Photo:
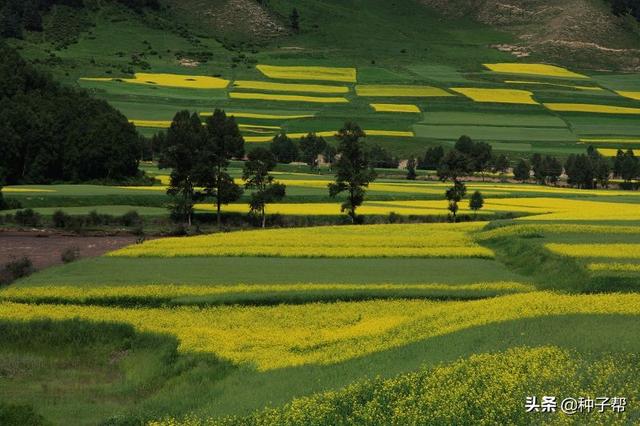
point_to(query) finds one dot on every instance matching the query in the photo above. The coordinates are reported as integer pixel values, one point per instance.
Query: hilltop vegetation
(53, 133)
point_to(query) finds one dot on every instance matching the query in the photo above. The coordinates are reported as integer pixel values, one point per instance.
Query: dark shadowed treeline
(51, 133)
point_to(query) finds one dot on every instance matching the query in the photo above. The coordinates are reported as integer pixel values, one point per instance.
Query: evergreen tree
(354, 172)
(481, 155)
(256, 176)
(603, 171)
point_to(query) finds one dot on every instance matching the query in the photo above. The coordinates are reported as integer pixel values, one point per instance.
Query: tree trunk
(264, 218)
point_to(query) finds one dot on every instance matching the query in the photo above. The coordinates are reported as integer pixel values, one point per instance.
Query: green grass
(229, 271)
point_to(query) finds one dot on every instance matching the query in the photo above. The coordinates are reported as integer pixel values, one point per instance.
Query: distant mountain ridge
(585, 32)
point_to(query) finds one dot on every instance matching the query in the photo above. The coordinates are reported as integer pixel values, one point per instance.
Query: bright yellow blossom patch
(350, 241)
(288, 98)
(19, 190)
(631, 95)
(289, 335)
(172, 80)
(534, 69)
(608, 152)
(289, 87)
(614, 267)
(592, 108)
(396, 91)
(396, 108)
(347, 75)
(504, 96)
(612, 251)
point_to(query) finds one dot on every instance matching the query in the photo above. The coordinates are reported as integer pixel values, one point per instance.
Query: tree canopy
(53, 133)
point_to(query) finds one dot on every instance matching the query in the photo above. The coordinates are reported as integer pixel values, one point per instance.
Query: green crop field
(405, 319)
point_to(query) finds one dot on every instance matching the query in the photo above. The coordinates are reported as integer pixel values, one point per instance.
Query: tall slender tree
(222, 142)
(182, 153)
(256, 176)
(354, 173)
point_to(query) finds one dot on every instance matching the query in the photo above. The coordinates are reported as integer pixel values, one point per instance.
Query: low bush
(28, 217)
(16, 269)
(71, 254)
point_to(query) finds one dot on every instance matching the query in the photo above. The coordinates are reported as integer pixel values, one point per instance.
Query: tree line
(51, 133)
(199, 154)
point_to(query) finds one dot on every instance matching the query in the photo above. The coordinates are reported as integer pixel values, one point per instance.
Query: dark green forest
(52, 133)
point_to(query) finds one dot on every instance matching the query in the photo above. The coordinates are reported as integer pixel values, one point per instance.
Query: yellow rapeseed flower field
(331, 133)
(534, 69)
(289, 335)
(631, 95)
(398, 90)
(614, 267)
(289, 98)
(542, 83)
(176, 291)
(592, 108)
(396, 108)
(436, 240)
(611, 251)
(172, 80)
(346, 75)
(288, 87)
(504, 96)
(19, 190)
(608, 152)
(156, 124)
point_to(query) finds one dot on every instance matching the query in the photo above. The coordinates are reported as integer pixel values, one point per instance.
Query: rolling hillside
(414, 65)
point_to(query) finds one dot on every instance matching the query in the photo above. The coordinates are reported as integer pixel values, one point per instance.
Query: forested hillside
(52, 133)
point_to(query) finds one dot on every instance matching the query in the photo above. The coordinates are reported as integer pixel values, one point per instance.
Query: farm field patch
(534, 69)
(505, 96)
(346, 75)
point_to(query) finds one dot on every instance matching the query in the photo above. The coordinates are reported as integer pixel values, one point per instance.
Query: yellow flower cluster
(614, 267)
(290, 335)
(289, 87)
(346, 75)
(405, 108)
(612, 251)
(172, 80)
(550, 229)
(608, 152)
(440, 240)
(19, 190)
(172, 292)
(630, 95)
(288, 98)
(592, 108)
(482, 389)
(504, 96)
(397, 91)
(534, 69)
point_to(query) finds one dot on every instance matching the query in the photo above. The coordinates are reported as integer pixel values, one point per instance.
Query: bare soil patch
(45, 248)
